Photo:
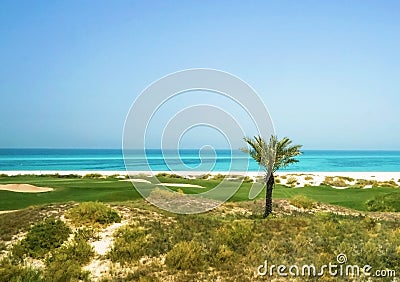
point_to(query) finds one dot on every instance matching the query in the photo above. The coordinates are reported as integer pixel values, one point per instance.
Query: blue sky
(328, 71)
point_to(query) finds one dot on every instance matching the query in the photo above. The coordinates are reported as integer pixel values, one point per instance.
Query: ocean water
(186, 160)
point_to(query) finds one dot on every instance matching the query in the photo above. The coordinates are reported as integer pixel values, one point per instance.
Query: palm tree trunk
(268, 194)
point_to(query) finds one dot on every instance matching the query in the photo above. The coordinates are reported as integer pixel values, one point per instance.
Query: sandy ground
(316, 178)
(24, 188)
(100, 265)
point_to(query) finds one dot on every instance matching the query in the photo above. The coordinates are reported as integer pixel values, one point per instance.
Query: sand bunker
(24, 188)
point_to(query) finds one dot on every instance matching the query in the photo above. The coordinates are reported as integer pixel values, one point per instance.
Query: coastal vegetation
(226, 244)
(92, 214)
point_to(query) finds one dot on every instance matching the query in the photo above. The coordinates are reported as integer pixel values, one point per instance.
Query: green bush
(86, 234)
(335, 181)
(129, 244)
(168, 175)
(364, 182)
(93, 175)
(234, 235)
(186, 255)
(65, 263)
(301, 201)
(10, 272)
(346, 178)
(42, 238)
(150, 239)
(92, 213)
(218, 176)
(247, 179)
(390, 183)
(77, 250)
(291, 180)
(204, 176)
(66, 270)
(385, 203)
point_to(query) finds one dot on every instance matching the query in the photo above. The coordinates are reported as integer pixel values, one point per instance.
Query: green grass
(112, 190)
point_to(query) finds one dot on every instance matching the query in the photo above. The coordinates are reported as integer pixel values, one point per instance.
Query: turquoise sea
(184, 160)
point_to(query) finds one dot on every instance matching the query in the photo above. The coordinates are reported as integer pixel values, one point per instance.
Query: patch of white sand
(102, 246)
(97, 267)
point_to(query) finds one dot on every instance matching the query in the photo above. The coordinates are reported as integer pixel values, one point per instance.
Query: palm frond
(274, 154)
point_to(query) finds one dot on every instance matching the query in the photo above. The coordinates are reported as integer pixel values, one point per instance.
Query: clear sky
(328, 71)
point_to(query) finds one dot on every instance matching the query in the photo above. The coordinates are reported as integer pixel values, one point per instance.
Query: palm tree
(272, 156)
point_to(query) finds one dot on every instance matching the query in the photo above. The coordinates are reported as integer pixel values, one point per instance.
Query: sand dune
(24, 188)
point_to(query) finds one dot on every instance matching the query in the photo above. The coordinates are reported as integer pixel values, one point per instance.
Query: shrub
(384, 203)
(335, 181)
(92, 213)
(65, 264)
(308, 178)
(78, 250)
(301, 201)
(291, 180)
(129, 244)
(93, 175)
(87, 234)
(218, 176)
(151, 238)
(223, 255)
(247, 179)
(390, 183)
(204, 176)
(234, 235)
(65, 270)
(57, 175)
(42, 238)
(12, 272)
(346, 178)
(277, 181)
(283, 176)
(186, 256)
(168, 175)
(364, 182)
